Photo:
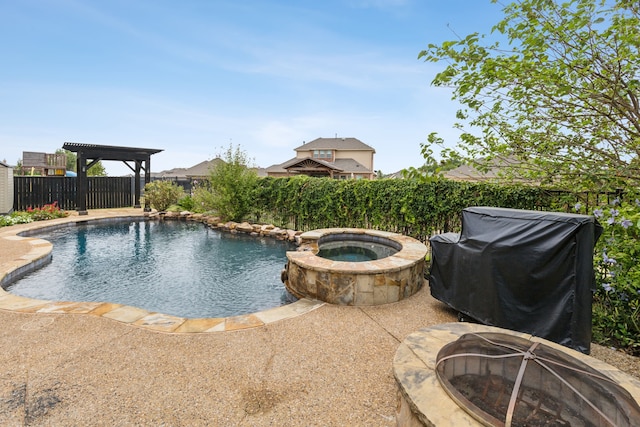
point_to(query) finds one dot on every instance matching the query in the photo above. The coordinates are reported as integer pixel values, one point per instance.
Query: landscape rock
(244, 227)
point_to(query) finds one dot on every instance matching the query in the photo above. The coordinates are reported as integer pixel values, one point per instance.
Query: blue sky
(193, 76)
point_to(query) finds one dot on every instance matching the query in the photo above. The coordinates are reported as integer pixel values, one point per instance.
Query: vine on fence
(418, 209)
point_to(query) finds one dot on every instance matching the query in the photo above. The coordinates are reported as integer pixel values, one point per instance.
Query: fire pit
(505, 380)
(466, 374)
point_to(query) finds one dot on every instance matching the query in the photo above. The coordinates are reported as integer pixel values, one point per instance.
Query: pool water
(172, 267)
(354, 250)
(348, 253)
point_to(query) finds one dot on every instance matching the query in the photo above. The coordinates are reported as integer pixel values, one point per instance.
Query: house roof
(350, 165)
(470, 173)
(275, 169)
(395, 175)
(175, 172)
(335, 144)
(201, 169)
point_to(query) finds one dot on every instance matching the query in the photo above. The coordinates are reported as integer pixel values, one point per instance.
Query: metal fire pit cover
(504, 380)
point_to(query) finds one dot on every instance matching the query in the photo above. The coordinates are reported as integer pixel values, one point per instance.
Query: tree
(562, 98)
(231, 186)
(432, 168)
(71, 158)
(96, 170)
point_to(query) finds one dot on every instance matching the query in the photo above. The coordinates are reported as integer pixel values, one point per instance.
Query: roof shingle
(335, 144)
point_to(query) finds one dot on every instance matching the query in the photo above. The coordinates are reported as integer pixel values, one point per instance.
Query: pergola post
(136, 186)
(147, 179)
(81, 184)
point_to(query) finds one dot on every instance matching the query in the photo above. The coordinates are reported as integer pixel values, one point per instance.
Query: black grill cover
(527, 271)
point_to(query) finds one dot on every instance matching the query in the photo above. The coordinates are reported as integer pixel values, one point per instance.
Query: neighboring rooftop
(335, 144)
(481, 169)
(200, 170)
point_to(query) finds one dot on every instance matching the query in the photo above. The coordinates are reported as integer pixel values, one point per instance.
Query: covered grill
(527, 271)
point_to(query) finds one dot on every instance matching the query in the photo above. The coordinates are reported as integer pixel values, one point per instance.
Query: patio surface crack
(399, 340)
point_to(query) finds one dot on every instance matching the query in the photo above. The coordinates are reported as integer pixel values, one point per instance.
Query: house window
(322, 154)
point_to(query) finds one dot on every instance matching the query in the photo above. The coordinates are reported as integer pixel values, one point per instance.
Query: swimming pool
(180, 268)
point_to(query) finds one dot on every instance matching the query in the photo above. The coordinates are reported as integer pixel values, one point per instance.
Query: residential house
(339, 158)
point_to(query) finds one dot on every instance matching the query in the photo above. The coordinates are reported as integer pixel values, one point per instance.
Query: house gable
(310, 166)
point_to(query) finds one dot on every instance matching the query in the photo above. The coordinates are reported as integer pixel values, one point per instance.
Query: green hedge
(418, 209)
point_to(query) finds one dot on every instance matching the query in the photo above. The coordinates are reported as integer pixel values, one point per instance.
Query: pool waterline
(354, 250)
(35, 252)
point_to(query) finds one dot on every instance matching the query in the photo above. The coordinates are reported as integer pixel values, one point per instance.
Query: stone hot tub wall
(381, 281)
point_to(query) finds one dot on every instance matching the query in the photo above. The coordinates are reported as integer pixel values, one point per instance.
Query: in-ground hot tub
(349, 266)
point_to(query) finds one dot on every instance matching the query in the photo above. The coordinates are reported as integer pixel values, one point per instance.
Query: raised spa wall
(365, 283)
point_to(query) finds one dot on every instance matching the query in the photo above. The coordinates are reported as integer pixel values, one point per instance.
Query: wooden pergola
(92, 153)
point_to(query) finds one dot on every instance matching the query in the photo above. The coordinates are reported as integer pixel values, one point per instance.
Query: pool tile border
(40, 253)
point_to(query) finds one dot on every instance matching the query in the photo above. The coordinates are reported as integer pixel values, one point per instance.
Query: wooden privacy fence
(103, 192)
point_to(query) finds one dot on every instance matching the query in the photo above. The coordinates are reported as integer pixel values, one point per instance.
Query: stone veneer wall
(367, 283)
(354, 288)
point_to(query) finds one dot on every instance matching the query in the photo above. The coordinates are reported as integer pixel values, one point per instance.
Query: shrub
(162, 194)
(15, 218)
(186, 203)
(203, 200)
(231, 188)
(616, 309)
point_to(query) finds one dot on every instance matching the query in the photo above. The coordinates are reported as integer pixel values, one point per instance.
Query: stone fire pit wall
(366, 283)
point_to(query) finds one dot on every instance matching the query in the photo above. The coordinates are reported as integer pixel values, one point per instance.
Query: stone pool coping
(34, 252)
